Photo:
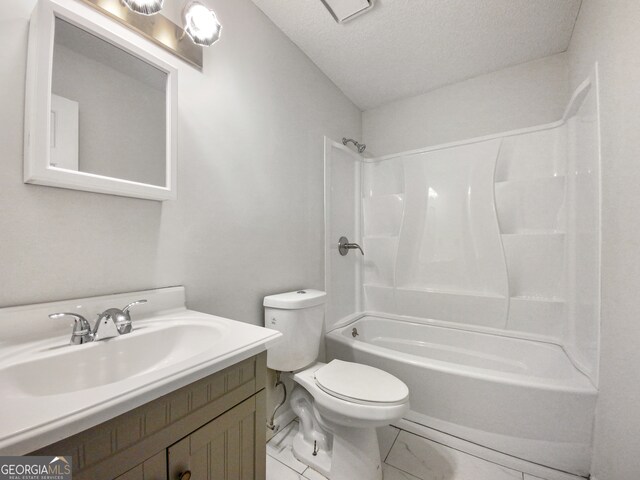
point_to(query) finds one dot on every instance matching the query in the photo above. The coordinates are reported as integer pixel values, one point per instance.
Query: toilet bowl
(339, 404)
(338, 418)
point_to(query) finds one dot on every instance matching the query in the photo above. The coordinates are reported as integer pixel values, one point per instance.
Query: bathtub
(523, 398)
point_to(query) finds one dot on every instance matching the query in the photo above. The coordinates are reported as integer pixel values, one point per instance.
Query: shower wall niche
(499, 233)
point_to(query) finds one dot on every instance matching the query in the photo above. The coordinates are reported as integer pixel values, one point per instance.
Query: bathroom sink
(52, 389)
(57, 369)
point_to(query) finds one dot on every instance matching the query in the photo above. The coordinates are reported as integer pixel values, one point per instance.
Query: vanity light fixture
(201, 24)
(145, 7)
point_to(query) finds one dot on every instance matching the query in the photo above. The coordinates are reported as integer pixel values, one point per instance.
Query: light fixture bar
(144, 7)
(158, 29)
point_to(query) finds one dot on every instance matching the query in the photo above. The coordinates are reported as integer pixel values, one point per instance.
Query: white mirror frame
(37, 141)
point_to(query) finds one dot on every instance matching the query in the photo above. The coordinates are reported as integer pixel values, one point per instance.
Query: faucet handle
(124, 321)
(133, 304)
(344, 246)
(81, 328)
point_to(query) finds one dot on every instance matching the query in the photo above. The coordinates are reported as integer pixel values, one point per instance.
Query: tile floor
(406, 457)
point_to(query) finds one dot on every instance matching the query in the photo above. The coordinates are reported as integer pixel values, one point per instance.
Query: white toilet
(339, 404)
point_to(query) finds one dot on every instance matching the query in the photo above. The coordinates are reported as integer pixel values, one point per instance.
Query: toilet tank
(299, 316)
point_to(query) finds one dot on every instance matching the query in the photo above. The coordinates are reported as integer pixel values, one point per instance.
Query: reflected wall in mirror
(101, 106)
(119, 104)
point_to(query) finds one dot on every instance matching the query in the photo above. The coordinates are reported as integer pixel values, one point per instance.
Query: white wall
(522, 96)
(607, 32)
(251, 136)
(249, 216)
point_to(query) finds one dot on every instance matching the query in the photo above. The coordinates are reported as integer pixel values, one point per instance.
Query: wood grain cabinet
(155, 468)
(213, 429)
(223, 449)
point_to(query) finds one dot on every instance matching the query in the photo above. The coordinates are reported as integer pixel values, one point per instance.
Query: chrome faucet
(105, 326)
(344, 246)
(81, 328)
(114, 317)
(110, 323)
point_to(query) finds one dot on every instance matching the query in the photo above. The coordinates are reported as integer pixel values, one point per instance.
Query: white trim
(358, 228)
(38, 101)
(596, 79)
(572, 109)
(328, 145)
(578, 97)
(327, 209)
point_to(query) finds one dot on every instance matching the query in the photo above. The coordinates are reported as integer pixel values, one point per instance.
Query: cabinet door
(231, 447)
(155, 468)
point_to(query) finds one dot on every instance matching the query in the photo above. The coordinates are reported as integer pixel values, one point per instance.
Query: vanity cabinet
(155, 468)
(213, 428)
(223, 449)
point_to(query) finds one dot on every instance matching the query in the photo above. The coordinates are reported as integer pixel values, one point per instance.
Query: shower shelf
(445, 291)
(530, 206)
(382, 196)
(534, 233)
(525, 298)
(528, 181)
(534, 264)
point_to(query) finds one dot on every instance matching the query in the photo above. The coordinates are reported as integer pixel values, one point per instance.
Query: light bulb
(201, 24)
(145, 7)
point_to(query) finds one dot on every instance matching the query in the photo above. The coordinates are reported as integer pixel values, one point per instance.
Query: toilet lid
(354, 381)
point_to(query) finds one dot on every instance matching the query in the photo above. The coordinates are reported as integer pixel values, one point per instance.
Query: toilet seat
(362, 384)
(348, 411)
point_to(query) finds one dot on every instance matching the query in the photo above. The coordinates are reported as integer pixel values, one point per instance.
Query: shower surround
(498, 235)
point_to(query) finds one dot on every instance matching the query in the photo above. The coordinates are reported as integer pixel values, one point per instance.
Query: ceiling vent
(345, 10)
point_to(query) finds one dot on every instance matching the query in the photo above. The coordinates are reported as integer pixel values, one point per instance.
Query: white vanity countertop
(52, 390)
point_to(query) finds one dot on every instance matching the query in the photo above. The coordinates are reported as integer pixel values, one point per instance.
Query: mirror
(101, 106)
(107, 109)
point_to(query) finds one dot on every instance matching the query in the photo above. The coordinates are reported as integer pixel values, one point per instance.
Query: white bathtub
(519, 397)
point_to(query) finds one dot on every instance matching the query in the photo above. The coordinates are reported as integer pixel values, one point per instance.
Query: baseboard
(486, 453)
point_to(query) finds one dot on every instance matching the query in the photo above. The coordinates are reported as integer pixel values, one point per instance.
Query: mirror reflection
(108, 109)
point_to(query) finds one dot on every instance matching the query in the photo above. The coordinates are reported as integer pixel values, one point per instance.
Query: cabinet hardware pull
(185, 475)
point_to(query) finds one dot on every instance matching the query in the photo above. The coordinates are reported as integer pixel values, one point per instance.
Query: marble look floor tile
(279, 471)
(392, 473)
(279, 447)
(431, 461)
(386, 436)
(311, 474)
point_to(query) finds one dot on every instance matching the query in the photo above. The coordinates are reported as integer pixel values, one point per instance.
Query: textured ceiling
(402, 48)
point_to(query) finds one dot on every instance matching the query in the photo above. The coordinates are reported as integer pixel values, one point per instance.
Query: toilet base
(341, 452)
(355, 454)
(303, 450)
